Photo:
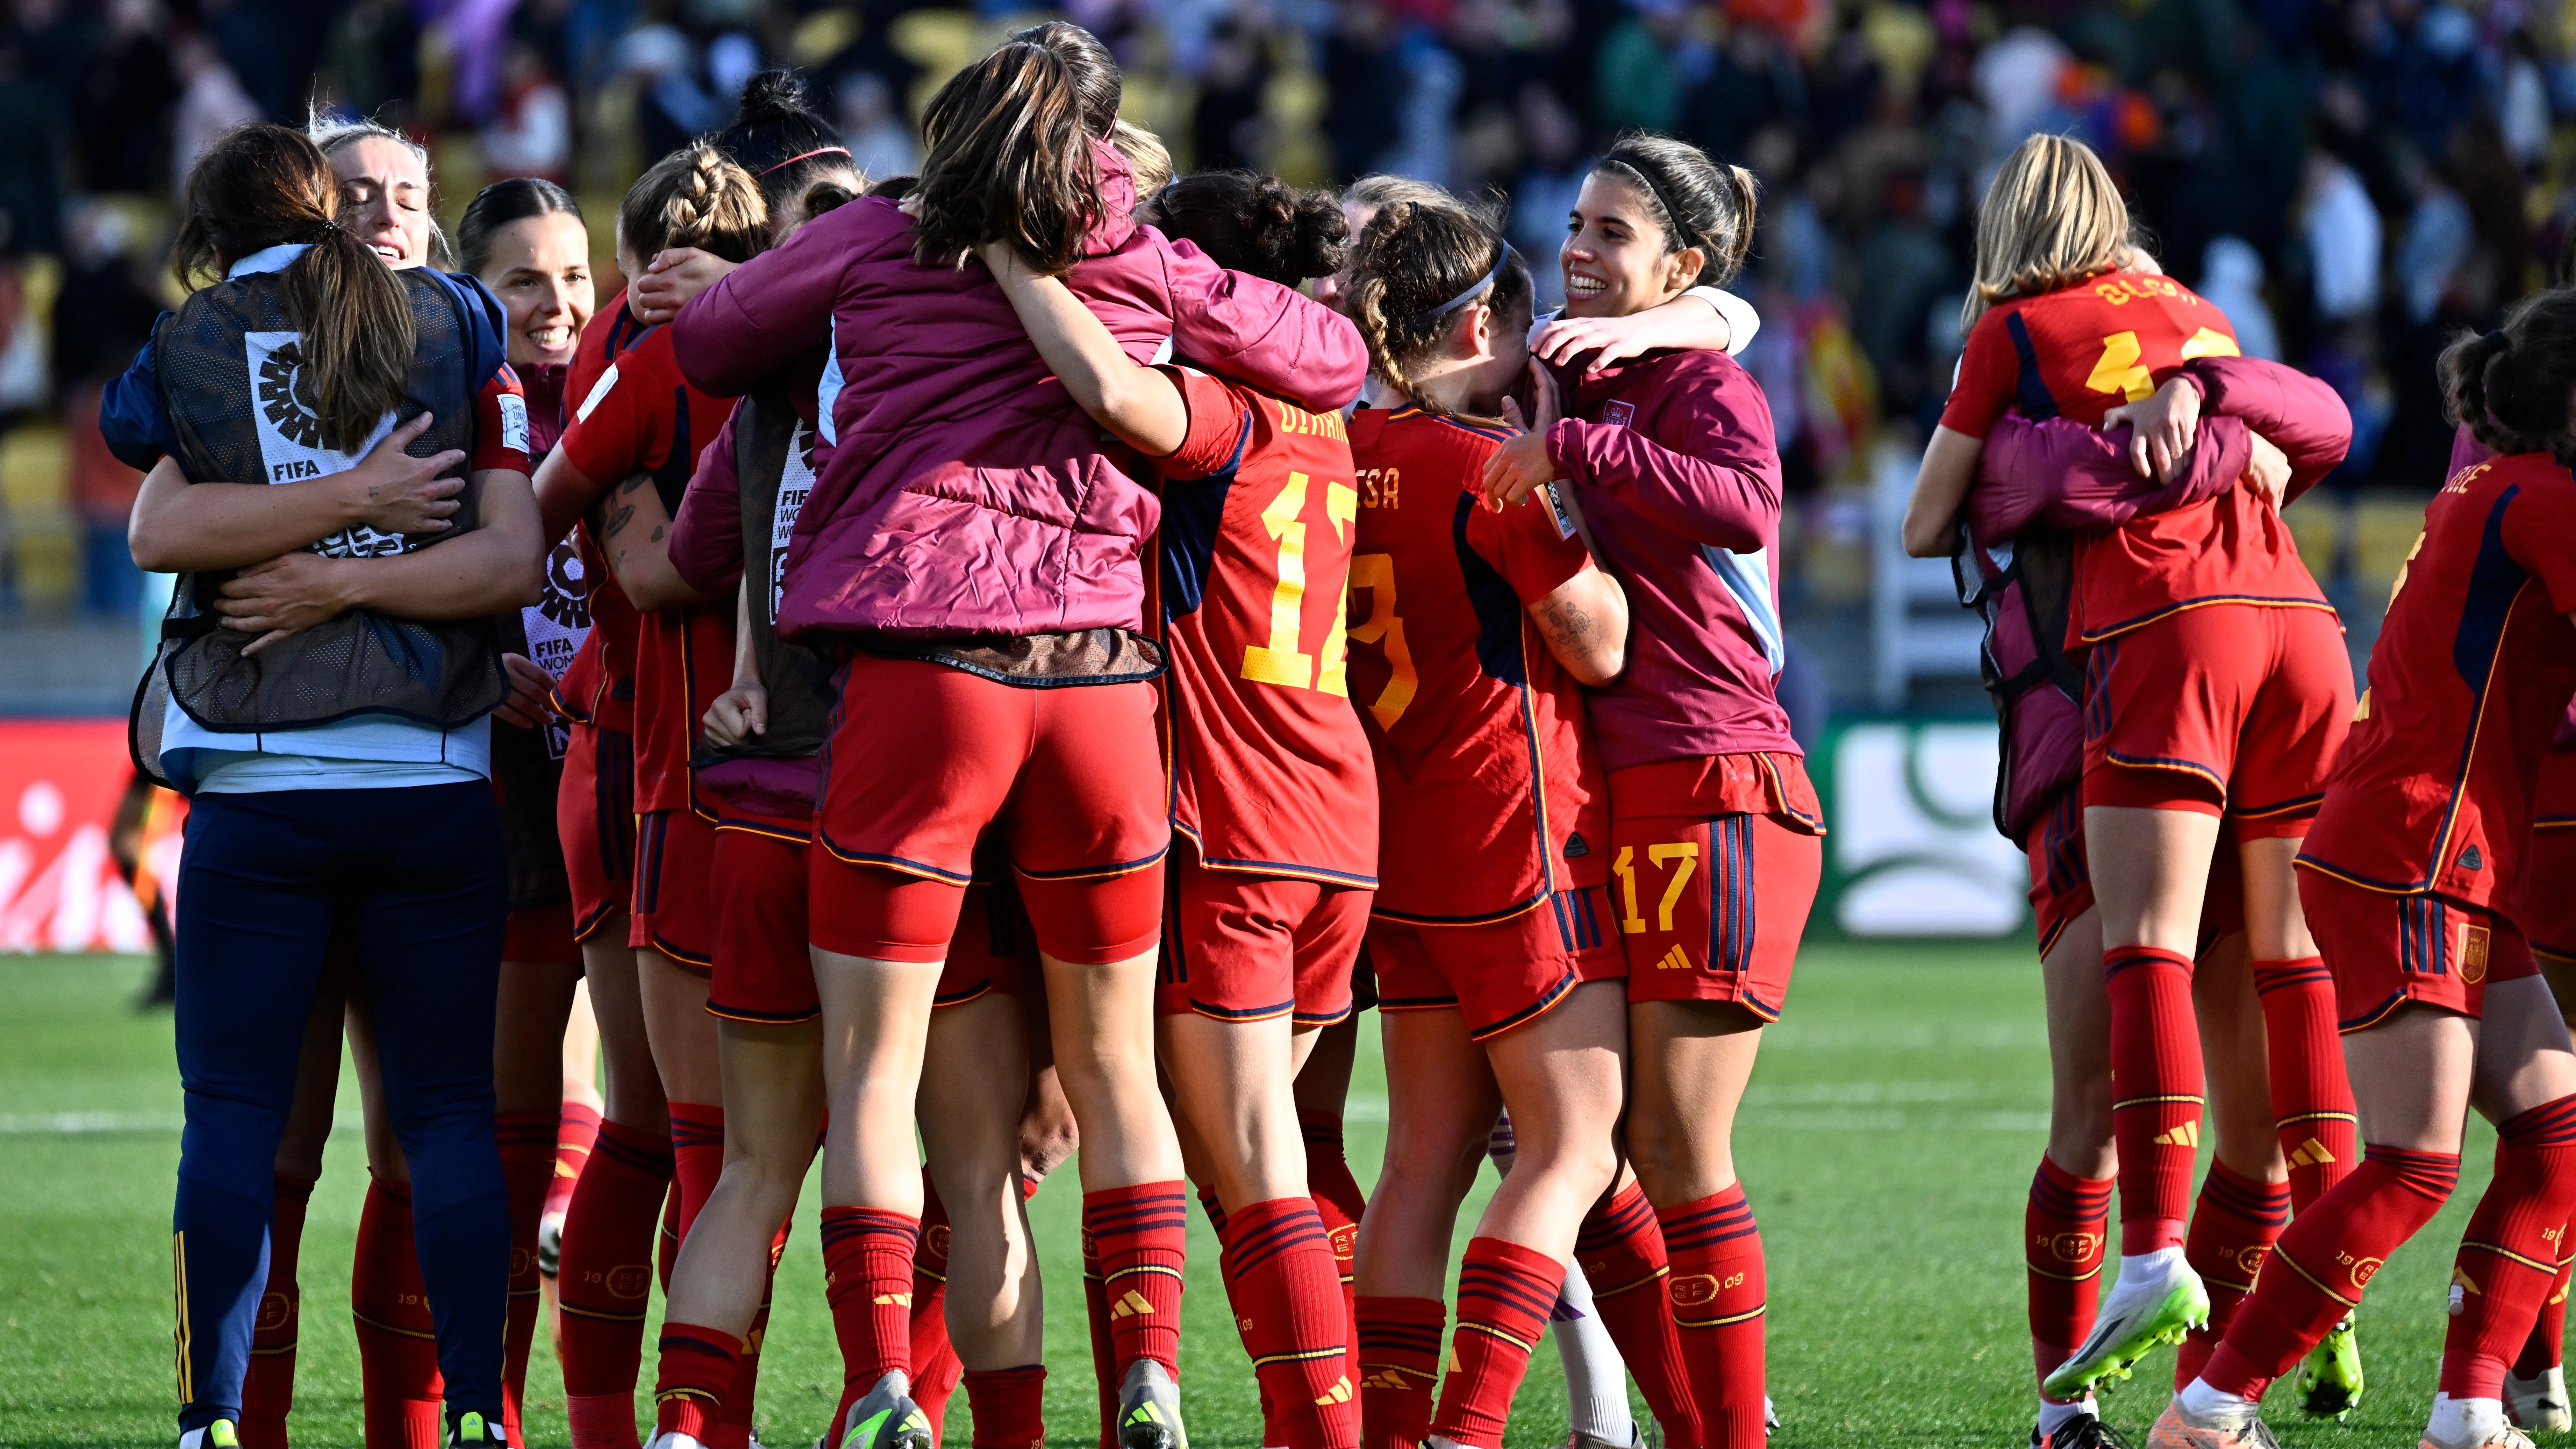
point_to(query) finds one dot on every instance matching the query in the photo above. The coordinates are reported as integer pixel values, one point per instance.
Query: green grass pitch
(1887, 1144)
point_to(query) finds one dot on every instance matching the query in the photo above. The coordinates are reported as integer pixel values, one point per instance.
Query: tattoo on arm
(1567, 624)
(657, 534)
(634, 482)
(617, 521)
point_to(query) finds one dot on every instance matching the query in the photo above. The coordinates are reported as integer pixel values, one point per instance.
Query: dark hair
(1416, 267)
(1255, 224)
(498, 205)
(261, 186)
(1697, 202)
(782, 141)
(2512, 386)
(1009, 159)
(1094, 72)
(695, 197)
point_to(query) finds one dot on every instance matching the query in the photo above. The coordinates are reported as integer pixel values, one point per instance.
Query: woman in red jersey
(635, 434)
(974, 553)
(1268, 897)
(1715, 840)
(2206, 606)
(1497, 973)
(2412, 878)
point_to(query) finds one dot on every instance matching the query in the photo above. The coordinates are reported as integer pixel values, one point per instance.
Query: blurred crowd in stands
(2349, 179)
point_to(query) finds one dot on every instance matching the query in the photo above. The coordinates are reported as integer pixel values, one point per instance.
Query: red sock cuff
(2117, 959)
(646, 1150)
(2428, 1174)
(697, 1124)
(2062, 1194)
(1321, 1129)
(1505, 1287)
(698, 1365)
(2249, 1198)
(1115, 1214)
(1215, 1210)
(1263, 1230)
(1702, 1230)
(2551, 1124)
(526, 1136)
(1008, 1406)
(2271, 976)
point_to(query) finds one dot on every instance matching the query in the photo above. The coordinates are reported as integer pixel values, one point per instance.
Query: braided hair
(1417, 267)
(2512, 386)
(1696, 201)
(695, 197)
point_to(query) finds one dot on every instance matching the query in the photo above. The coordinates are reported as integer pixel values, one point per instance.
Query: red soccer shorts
(993, 950)
(1253, 947)
(757, 896)
(541, 936)
(2388, 950)
(1498, 974)
(923, 758)
(675, 856)
(2549, 897)
(595, 816)
(1714, 865)
(2227, 709)
(2061, 878)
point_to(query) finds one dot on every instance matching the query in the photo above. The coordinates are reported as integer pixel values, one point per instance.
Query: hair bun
(773, 95)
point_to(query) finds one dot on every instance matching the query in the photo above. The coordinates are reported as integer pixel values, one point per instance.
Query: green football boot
(2330, 1376)
(886, 1418)
(1149, 1409)
(2140, 1314)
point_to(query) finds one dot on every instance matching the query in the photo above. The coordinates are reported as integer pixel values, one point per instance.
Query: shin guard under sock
(935, 1369)
(397, 1340)
(2311, 1098)
(689, 1388)
(1009, 1407)
(1620, 1248)
(2317, 1273)
(1142, 1235)
(2063, 1240)
(605, 1279)
(527, 1141)
(697, 1158)
(1719, 1296)
(1278, 1267)
(578, 1130)
(1399, 1369)
(2233, 1228)
(2155, 1092)
(2508, 1260)
(1504, 1294)
(867, 1276)
(268, 1385)
(1104, 1353)
(1338, 1200)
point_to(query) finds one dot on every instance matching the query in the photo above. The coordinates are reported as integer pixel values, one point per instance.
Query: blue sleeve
(486, 325)
(130, 415)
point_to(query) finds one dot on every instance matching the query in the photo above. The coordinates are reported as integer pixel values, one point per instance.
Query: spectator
(880, 143)
(2231, 278)
(2342, 234)
(1546, 193)
(532, 134)
(211, 102)
(102, 316)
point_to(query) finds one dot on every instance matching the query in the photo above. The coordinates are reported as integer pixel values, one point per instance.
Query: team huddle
(969, 687)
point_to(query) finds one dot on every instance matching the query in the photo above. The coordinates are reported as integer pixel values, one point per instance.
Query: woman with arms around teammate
(2209, 605)
(2412, 877)
(1715, 836)
(1271, 795)
(932, 381)
(284, 838)
(634, 437)
(1498, 977)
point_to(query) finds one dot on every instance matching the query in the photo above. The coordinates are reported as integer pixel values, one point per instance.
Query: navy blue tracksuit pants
(419, 873)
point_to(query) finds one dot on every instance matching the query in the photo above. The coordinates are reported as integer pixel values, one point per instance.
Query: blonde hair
(1149, 162)
(2051, 219)
(695, 197)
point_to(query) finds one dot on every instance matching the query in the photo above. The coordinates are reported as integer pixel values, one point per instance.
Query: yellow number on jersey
(2118, 370)
(1624, 866)
(1687, 852)
(1342, 511)
(1375, 572)
(1279, 661)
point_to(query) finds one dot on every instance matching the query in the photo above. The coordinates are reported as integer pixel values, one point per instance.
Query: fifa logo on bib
(290, 435)
(1619, 414)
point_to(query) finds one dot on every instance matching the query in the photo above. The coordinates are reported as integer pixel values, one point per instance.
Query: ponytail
(263, 185)
(695, 197)
(2511, 387)
(1009, 159)
(1697, 202)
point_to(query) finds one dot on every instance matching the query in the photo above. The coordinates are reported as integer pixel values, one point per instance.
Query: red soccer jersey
(2468, 682)
(634, 413)
(2081, 351)
(1270, 772)
(1491, 793)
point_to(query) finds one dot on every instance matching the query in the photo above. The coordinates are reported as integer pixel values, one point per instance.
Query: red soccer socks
(2063, 1236)
(2155, 1092)
(1104, 1354)
(397, 1339)
(1009, 1406)
(574, 1137)
(935, 1369)
(1719, 1296)
(2311, 1098)
(867, 1276)
(606, 1275)
(1620, 1248)
(1399, 1369)
(1338, 1200)
(697, 1157)
(2508, 1262)
(1505, 1292)
(2327, 1257)
(1141, 1235)
(1287, 1297)
(698, 1367)
(527, 1142)
(2233, 1228)
(268, 1387)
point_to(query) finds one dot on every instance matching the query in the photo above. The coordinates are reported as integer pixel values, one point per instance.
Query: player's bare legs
(2150, 869)
(772, 1090)
(2079, 1050)
(683, 1036)
(1234, 1084)
(1441, 1101)
(971, 1120)
(1103, 1026)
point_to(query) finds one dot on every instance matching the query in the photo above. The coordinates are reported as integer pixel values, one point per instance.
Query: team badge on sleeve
(514, 421)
